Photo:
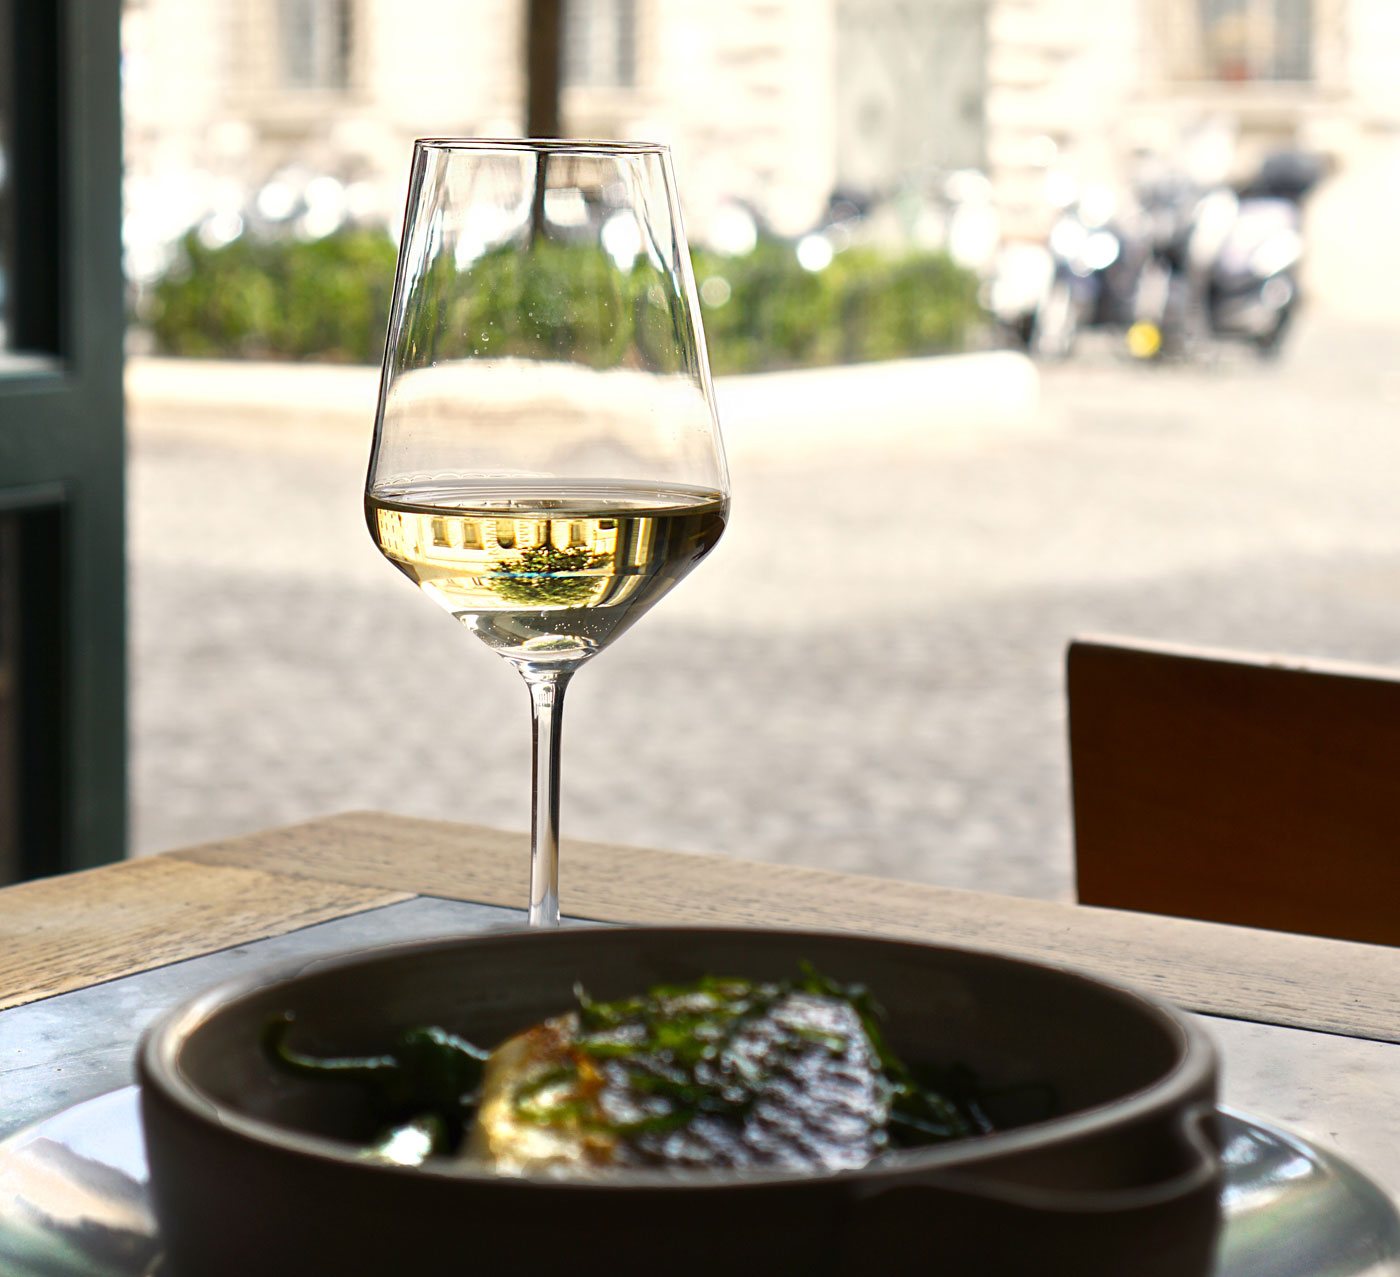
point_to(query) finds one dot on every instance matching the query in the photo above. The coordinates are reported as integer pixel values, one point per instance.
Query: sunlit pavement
(866, 675)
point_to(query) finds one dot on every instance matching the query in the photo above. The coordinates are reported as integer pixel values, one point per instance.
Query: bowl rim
(158, 1070)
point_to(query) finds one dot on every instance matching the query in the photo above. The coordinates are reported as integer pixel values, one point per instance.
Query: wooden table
(1309, 1028)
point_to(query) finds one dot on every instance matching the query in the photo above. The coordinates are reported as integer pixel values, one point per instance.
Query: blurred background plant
(328, 299)
(325, 299)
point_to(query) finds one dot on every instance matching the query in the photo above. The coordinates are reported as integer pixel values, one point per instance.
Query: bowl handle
(966, 1221)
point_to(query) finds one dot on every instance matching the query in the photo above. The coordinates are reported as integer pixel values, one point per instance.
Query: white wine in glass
(547, 459)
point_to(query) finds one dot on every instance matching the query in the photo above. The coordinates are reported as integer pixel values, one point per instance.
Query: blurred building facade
(276, 109)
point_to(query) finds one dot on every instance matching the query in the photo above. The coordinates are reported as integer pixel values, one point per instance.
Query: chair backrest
(1254, 790)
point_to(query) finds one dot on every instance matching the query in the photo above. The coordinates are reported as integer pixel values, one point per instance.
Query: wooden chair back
(1255, 790)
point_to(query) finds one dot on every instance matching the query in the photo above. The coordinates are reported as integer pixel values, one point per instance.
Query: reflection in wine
(541, 573)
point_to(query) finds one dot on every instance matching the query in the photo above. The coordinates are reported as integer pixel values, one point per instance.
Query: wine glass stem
(546, 708)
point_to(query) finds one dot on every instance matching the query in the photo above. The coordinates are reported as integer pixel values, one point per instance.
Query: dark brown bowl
(248, 1175)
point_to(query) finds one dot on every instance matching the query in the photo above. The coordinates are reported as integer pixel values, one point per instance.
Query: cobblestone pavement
(867, 673)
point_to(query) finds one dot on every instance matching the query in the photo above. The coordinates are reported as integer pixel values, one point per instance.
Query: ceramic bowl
(254, 1171)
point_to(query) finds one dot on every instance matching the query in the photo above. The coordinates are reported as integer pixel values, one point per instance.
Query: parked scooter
(1177, 228)
(1084, 276)
(1222, 265)
(1179, 269)
(1253, 282)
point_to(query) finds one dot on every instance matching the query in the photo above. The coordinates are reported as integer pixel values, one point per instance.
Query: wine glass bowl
(547, 461)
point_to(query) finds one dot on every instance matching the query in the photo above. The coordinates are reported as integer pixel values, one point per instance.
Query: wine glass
(547, 459)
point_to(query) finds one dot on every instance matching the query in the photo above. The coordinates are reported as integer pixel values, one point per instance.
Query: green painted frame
(62, 448)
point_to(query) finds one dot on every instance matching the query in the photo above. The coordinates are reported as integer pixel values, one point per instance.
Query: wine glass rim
(571, 145)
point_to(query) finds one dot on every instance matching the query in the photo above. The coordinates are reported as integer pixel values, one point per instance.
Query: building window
(600, 43)
(1242, 40)
(314, 38)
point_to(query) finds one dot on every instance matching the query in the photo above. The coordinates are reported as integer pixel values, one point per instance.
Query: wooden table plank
(64, 933)
(1301, 981)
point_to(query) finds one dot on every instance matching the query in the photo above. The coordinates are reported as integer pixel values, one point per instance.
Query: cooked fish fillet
(510, 1139)
(796, 1086)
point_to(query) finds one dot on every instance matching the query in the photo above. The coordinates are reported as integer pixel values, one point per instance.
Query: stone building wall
(771, 102)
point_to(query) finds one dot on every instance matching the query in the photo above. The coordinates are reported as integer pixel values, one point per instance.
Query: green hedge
(320, 299)
(571, 303)
(328, 299)
(866, 305)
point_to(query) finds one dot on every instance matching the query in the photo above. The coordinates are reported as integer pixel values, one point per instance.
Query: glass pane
(1206, 464)
(32, 642)
(599, 45)
(30, 213)
(9, 688)
(1293, 41)
(7, 217)
(1256, 39)
(1225, 31)
(315, 37)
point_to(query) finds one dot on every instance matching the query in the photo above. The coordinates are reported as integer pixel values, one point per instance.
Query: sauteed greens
(723, 1071)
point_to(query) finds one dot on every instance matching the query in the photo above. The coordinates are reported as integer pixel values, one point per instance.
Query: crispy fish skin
(820, 1101)
(798, 1087)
